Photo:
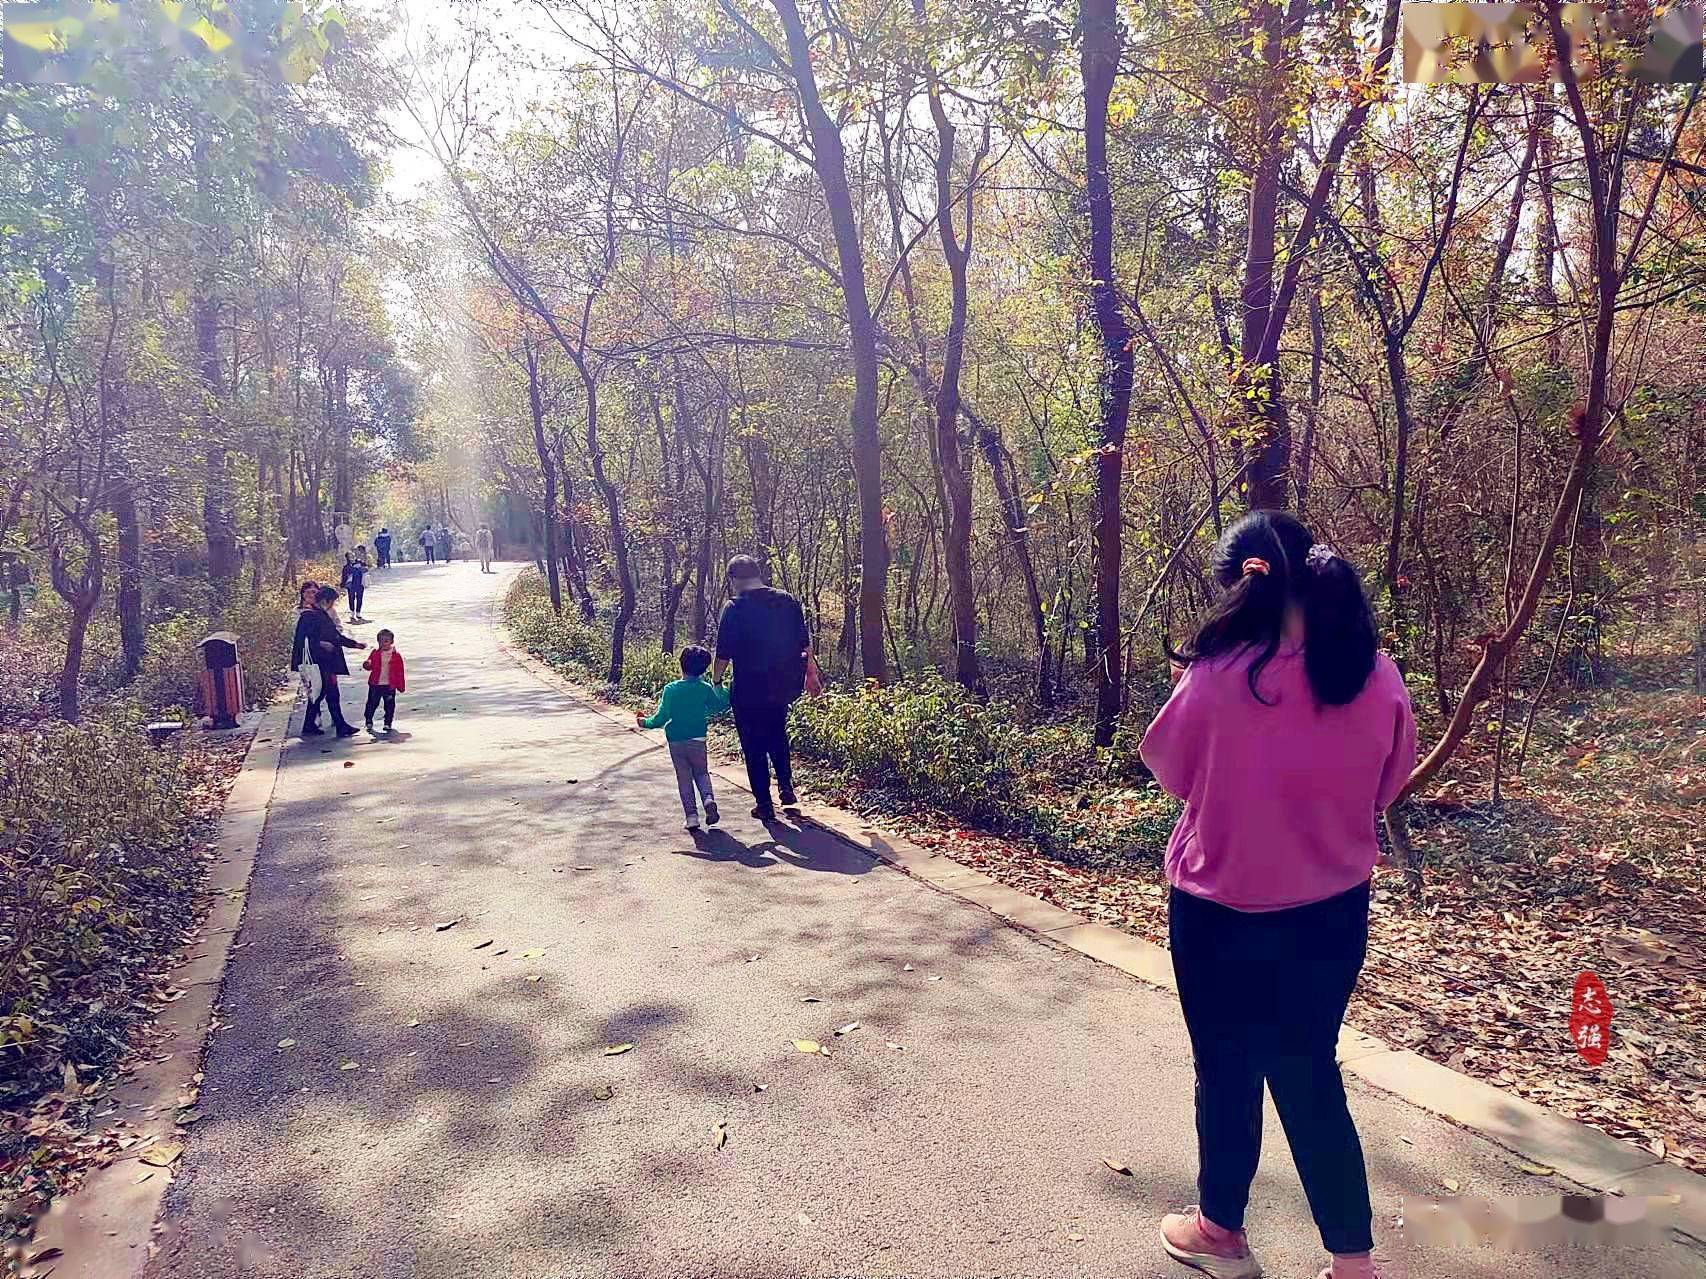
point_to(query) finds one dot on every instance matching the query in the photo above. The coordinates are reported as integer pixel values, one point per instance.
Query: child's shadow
(720, 846)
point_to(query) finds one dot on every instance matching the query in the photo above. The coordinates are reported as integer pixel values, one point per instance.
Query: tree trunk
(830, 161)
(81, 594)
(618, 529)
(132, 633)
(956, 479)
(1317, 343)
(71, 670)
(548, 472)
(1100, 64)
(1268, 476)
(1013, 516)
(337, 408)
(572, 555)
(218, 517)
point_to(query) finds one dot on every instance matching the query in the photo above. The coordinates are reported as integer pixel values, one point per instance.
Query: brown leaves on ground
(51, 1137)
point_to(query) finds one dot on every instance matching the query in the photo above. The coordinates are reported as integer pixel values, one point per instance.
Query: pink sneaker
(1199, 1243)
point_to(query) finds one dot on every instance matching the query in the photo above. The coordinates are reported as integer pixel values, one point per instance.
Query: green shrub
(926, 735)
(97, 873)
(582, 649)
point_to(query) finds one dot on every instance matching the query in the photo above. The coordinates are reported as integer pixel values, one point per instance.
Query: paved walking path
(483, 1130)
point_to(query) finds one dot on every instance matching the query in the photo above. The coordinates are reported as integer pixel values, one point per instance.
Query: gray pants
(692, 768)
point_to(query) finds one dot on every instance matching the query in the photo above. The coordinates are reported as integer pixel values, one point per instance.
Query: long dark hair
(1264, 563)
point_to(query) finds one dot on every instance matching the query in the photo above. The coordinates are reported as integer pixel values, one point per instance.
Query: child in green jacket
(684, 713)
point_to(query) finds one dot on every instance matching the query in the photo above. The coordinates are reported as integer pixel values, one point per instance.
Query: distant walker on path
(763, 632)
(483, 547)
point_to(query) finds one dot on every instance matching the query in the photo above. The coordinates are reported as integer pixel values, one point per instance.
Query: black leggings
(763, 732)
(357, 593)
(1263, 996)
(332, 700)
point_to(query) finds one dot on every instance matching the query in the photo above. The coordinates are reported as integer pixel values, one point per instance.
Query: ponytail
(1338, 625)
(1264, 562)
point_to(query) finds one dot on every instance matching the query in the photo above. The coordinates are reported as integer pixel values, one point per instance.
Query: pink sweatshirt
(1280, 800)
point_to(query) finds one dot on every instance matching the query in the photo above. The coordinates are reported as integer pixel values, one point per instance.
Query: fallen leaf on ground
(907, 968)
(896, 1046)
(760, 1087)
(46, 1254)
(806, 1045)
(414, 1023)
(531, 977)
(1657, 1146)
(804, 1220)
(1537, 1170)
(848, 1029)
(449, 923)
(191, 1117)
(163, 1154)
(1074, 1238)
(932, 979)
(1117, 1166)
(481, 945)
(287, 1043)
(141, 1177)
(722, 1131)
(350, 1065)
(538, 952)
(616, 1050)
(1449, 1183)
(349, 763)
(811, 999)
(603, 1094)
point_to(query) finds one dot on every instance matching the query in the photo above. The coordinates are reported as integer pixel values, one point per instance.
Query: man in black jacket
(763, 632)
(325, 644)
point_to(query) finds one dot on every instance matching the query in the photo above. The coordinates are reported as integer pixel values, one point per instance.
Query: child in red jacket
(384, 667)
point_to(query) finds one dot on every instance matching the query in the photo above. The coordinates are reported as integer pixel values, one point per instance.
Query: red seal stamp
(1590, 1019)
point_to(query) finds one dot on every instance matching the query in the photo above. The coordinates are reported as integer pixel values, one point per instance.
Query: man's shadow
(806, 846)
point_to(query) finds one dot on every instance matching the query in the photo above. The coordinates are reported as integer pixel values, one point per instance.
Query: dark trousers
(376, 694)
(332, 700)
(357, 593)
(763, 732)
(431, 555)
(1263, 996)
(384, 557)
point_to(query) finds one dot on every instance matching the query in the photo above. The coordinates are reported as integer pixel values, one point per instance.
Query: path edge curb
(105, 1227)
(1575, 1151)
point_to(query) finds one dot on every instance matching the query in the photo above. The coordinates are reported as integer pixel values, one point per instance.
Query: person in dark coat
(382, 548)
(326, 643)
(763, 632)
(445, 543)
(302, 659)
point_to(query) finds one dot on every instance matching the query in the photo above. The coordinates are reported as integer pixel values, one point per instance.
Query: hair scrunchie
(1256, 565)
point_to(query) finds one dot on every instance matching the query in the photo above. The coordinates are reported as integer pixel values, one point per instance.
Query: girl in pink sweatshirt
(1286, 736)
